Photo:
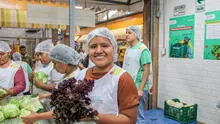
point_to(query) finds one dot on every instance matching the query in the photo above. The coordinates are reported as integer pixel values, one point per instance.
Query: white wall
(191, 80)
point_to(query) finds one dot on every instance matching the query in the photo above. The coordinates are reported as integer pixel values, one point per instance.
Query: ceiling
(122, 2)
(97, 5)
(102, 7)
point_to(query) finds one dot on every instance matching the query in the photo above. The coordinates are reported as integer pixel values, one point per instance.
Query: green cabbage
(24, 112)
(15, 102)
(41, 75)
(31, 104)
(10, 110)
(2, 116)
(2, 92)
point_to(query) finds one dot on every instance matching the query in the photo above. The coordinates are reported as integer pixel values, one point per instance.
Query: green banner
(212, 36)
(181, 41)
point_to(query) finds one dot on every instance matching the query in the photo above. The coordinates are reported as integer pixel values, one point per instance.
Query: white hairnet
(4, 47)
(103, 32)
(136, 31)
(44, 46)
(16, 56)
(65, 54)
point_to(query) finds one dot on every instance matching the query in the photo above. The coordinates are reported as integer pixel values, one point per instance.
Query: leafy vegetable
(24, 112)
(216, 51)
(15, 102)
(2, 92)
(31, 104)
(41, 75)
(10, 111)
(19, 106)
(71, 102)
(2, 116)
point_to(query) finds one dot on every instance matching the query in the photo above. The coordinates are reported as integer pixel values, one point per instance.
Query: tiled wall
(191, 80)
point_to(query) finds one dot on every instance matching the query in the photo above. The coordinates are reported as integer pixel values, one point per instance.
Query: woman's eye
(92, 46)
(105, 45)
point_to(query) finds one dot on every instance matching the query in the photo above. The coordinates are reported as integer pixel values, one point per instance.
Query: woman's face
(43, 57)
(60, 67)
(101, 51)
(36, 56)
(4, 58)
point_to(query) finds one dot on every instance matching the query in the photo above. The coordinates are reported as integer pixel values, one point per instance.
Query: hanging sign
(179, 10)
(200, 5)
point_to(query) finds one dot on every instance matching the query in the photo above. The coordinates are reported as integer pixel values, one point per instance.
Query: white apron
(7, 75)
(131, 61)
(104, 96)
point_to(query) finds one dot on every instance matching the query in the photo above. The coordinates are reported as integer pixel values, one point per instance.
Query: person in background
(12, 78)
(36, 63)
(26, 68)
(66, 62)
(137, 62)
(82, 54)
(24, 56)
(188, 49)
(47, 66)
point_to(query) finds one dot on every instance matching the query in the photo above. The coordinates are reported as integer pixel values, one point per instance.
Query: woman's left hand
(30, 119)
(140, 93)
(38, 83)
(85, 120)
(3, 95)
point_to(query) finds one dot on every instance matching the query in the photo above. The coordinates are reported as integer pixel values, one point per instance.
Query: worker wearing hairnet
(66, 62)
(26, 68)
(12, 79)
(65, 57)
(137, 62)
(114, 95)
(45, 76)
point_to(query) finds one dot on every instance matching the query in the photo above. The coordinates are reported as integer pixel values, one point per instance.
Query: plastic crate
(183, 115)
(178, 50)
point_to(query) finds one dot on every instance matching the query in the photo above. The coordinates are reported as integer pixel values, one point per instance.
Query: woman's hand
(45, 95)
(38, 83)
(85, 120)
(4, 94)
(140, 94)
(30, 119)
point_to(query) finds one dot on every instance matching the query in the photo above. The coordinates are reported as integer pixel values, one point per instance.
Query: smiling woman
(101, 52)
(114, 95)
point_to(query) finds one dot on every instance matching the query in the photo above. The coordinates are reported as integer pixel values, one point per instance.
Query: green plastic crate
(183, 115)
(178, 50)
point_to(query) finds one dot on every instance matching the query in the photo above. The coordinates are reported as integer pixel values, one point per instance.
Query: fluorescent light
(110, 14)
(78, 7)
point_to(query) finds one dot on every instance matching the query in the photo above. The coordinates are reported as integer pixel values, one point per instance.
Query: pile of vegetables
(20, 107)
(71, 101)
